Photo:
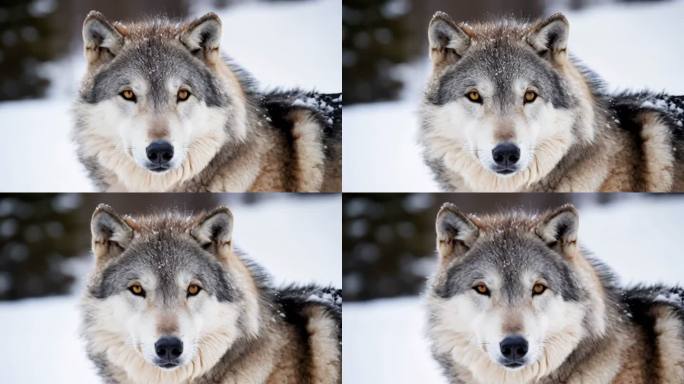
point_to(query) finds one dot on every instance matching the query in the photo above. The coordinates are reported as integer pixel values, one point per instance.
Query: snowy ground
(41, 343)
(639, 238)
(379, 150)
(289, 44)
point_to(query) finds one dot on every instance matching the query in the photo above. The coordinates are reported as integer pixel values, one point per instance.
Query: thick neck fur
(567, 152)
(253, 353)
(592, 342)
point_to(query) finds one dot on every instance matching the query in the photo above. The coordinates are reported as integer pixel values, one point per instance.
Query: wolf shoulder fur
(171, 301)
(507, 109)
(515, 300)
(161, 110)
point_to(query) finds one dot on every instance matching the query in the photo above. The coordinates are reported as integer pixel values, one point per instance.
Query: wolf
(515, 299)
(170, 300)
(160, 109)
(507, 109)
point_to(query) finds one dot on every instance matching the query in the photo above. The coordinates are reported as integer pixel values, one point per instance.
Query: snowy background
(635, 46)
(283, 44)
(638, 236)
(40, 336)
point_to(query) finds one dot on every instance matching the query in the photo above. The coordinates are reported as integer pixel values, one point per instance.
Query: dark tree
(388, 240)
(39, 234)
(374, 39)
(29, 37)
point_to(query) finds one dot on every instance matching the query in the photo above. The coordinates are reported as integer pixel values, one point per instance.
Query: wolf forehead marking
(509, 256)
(501, 62)
(156, 61)
(165, 257)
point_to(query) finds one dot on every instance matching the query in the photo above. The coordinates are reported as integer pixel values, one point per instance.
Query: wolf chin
(516, 300)
(507, 109)
(160, 110)
(171, 301)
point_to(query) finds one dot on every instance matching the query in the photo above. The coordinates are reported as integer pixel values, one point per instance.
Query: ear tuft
(456, 233)
(202, 34)
(214, 231)
(110, 233)
(549, 37)
(448, 41)
(559, 227)
(100, 37)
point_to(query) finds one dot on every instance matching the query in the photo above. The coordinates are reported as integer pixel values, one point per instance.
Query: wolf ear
(214, 232)
(203, 35)
(558, 228)
(101, 40)
(448, 41)
(456, 233)
(110, 233)
(549, 37)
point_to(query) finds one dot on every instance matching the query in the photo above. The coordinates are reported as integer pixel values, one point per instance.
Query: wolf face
(157, 92)
(168, 299)
(509, 300)
(499, 102)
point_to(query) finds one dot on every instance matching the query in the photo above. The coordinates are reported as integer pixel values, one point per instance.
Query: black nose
(506, 154)
(160, 152)
(513, 348)
(169, 348)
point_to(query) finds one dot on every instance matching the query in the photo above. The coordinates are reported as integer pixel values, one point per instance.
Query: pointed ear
(202, 36)
(101, 40)
(448, 41)
(456, 233)
(549, 37)
(214, 232)
(558, 228)
(110, 233)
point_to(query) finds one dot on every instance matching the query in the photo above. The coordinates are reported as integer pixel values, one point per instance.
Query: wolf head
(157, 95)
(169, 297)
(501, 103)
(513, 296)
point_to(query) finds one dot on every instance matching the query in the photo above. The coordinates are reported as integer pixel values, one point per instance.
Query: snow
(631, 46)
(281, 44)
(296, 239)
(637, 237)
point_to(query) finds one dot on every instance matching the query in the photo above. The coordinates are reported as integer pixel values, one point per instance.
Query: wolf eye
(538, 289)
(183, 95)
(137, 290)
(481, 289)
(474, 96)
(530, 96)
(127, 94)
(193, 289)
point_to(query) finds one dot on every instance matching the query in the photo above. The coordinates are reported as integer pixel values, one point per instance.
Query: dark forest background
(388, 240)
(378, 35)
(45, 238)
(33, 32)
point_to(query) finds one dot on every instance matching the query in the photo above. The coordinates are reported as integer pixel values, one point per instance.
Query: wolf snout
(513, 349)
(159, 153)
(168, 349)
(505, 156)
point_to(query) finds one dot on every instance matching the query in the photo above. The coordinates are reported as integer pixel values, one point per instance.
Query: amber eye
(481, 289)
(137, 290)
(538, 289)
(530, 96)
(127, 94)
(193, 289)
(474, 96)
(183, 94)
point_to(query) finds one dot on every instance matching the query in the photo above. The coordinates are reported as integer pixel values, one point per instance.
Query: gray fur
(258, 152)
(165, 256)
(284, 348)
(619, 142)
(626, 349)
